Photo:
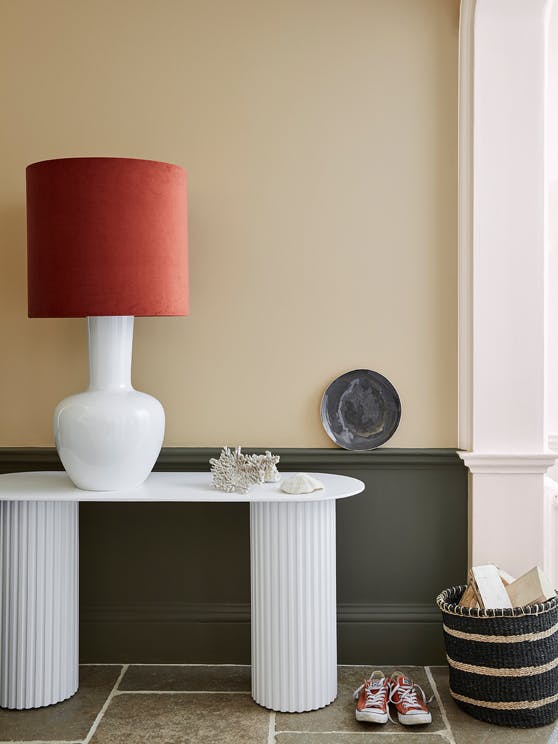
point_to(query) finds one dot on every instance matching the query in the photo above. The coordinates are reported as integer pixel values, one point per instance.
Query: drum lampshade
(106, 236)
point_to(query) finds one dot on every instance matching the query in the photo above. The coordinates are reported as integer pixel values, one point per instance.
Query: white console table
(292, 557)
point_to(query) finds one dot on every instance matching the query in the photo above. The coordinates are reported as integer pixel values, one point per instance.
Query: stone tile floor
(147, 704)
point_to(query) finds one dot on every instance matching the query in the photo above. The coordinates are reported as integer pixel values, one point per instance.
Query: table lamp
(107, 240)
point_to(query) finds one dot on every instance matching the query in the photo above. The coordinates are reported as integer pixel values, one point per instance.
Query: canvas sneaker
(372, 699)
(409, 700)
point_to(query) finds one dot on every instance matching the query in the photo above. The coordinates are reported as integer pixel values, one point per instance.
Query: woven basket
(503, 664)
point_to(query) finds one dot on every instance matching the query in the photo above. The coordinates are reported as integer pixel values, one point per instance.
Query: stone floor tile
(371, 738)
(468, 730)
(186, 678)
(66, 721)
(186, 718)
(340, 715)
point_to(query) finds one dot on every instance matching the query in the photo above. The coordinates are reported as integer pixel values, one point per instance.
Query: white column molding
(552, 492)
(503, 262)
(552, 233)
(465, 225)
(506, 464)
(511, 521)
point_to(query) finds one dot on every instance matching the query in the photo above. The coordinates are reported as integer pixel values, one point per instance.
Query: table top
(165, 487)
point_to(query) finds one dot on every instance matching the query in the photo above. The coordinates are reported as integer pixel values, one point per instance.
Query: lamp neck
(110, 351)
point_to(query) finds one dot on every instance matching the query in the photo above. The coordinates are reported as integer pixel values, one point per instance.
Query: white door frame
(503, 275)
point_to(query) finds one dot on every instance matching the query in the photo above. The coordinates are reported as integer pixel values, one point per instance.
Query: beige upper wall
(320, 141)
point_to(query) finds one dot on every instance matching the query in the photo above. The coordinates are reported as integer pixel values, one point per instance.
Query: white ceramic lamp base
(294, 631)
(38, 603)
(109, 436)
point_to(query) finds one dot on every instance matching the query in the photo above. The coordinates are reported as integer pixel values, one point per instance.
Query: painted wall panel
(171, 582)
(320, 141)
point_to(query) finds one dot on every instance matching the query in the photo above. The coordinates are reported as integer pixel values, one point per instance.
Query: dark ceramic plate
(360, 410)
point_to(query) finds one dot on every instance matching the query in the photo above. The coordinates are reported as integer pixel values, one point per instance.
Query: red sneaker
(409, 700)
(372, 699)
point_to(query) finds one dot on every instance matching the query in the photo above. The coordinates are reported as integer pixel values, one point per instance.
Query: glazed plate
(360, 410)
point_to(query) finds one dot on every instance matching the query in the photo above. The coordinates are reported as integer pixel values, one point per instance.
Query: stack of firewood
(490, 587)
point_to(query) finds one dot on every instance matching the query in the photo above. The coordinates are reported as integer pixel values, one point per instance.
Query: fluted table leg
(38, 602)
(294, 639)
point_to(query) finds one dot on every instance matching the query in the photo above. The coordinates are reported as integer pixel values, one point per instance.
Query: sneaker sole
(414, 719)
(369, 717)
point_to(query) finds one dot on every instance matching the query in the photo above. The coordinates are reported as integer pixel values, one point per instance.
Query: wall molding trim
(14, 459)
(484, 462)
(239, 612)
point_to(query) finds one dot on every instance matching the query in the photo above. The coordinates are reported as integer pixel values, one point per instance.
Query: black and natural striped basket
(503, 664)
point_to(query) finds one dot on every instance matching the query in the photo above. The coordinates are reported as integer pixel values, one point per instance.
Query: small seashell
(301, 483)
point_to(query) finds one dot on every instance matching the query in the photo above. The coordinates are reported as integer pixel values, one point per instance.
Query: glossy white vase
(108, 437)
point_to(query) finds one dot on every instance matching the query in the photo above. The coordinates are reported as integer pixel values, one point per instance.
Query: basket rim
(452, 608)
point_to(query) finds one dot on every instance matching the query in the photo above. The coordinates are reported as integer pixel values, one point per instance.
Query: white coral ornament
(233, 471)
(301, 483)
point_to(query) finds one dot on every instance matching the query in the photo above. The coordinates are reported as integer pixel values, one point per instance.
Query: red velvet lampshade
(106, 236)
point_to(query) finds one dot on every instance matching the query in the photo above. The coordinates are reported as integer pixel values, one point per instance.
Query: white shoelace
(408, 696)
(375, 693)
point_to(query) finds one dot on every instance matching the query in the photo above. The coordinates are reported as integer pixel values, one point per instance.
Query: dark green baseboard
(220, 633)
(171, 582)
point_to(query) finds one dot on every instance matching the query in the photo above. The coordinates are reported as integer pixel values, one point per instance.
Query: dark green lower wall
(171, 582)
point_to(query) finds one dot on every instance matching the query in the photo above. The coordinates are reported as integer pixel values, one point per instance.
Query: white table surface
(167, 487)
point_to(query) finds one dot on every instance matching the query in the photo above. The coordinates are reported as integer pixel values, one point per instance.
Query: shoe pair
(375, 694)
